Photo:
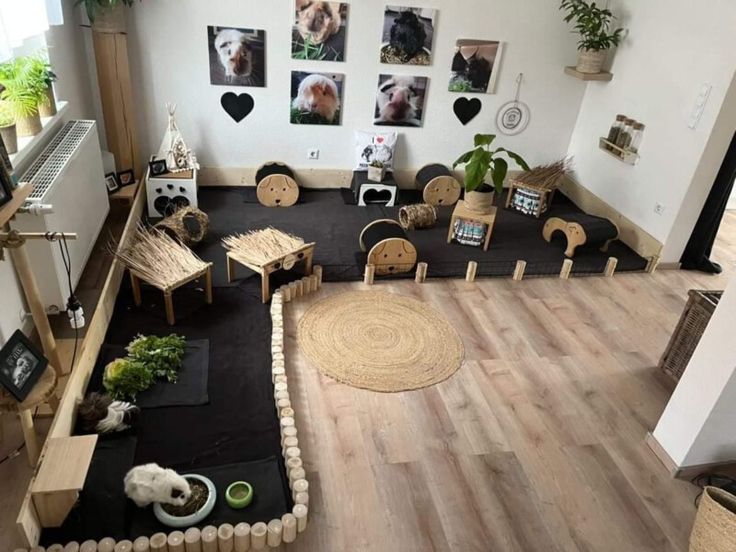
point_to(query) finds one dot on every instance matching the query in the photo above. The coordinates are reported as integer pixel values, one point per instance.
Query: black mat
(323, 217)
(270, 494)
(189, 390)
(103, 507)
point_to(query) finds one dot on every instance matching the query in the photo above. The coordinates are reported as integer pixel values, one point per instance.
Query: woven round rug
(380, 341)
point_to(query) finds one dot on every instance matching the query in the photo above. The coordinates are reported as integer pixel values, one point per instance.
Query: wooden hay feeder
(159, 260)
(438, 185)
(531, 192)
(276, 185)
(265, 252)
(188, 225)
(389, 250)
(581, 229)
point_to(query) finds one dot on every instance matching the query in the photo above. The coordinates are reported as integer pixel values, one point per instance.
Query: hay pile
(159, 259)
(546, 177)
(260, 247)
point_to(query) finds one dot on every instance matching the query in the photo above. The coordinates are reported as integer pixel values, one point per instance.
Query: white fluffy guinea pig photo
(237, 56)
(316, 98)
(400, 100)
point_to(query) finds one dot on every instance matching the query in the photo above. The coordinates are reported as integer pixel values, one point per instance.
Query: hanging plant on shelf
(97, 7)
(593, 24)
(481, 161)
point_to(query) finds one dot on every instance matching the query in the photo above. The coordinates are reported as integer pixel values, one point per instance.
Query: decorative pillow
(371, 147)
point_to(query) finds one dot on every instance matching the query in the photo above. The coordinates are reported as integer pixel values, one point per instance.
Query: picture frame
(237, 56)
(126, 178)
(21, 365)
(157, 167)
(112, 183)
(475, 66)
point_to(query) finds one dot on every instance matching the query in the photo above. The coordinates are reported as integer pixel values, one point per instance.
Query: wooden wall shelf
(603, 76)
(628, 157)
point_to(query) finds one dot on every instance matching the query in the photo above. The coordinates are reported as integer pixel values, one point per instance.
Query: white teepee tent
(173, 148)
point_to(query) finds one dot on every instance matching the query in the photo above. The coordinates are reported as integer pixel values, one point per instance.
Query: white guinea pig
(151, 483)
(318, 94)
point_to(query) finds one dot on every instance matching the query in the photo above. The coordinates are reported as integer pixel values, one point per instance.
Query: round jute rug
(380, 341)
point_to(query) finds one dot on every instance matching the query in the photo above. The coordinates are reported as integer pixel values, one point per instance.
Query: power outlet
(313, 154)
(658, 208)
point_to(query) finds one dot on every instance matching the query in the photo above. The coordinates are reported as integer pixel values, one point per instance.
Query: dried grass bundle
(260, 247)
(546, 177)
(159, 259)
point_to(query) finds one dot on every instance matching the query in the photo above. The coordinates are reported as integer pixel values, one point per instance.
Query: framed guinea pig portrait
(21, 365)
(318, 33)
(237, 56)
(475, 66)
(407, 35)
(316, 98)
(400, 100)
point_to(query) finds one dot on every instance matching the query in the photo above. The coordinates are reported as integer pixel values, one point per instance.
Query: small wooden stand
(303, 254)
(136, 278)
(61, 476)
(545, 196)
(463, 213)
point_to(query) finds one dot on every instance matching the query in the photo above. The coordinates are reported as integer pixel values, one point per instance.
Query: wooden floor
(536, 443)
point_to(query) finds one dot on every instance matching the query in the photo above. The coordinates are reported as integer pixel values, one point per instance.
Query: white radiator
(68, 175)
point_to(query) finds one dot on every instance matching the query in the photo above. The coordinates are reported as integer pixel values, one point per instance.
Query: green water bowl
(239, 494)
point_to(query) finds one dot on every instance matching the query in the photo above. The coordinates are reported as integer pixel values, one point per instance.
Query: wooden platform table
(304, 254)
(136, 278)
(462, 212)
(546, 194)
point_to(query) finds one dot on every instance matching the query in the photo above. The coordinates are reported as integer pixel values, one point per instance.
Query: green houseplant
(24, 88)
(479, 162)
(593, 24)
(40, 67)
(7, 128)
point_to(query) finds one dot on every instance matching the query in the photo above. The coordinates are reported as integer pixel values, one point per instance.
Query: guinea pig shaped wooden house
(389, 250)
(276, 186)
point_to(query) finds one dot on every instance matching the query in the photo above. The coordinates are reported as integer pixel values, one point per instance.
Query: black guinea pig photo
(407, 35)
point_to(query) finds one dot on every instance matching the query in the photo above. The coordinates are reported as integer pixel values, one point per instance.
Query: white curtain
(23, 19)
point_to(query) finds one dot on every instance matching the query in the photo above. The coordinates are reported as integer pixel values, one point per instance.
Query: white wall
(697, 425)
(70, 62)
(672, 48)
(169, 54)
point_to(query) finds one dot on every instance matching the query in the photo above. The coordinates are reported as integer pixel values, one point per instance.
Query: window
(24, 19)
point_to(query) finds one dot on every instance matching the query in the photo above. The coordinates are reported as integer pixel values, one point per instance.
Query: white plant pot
(376, 174)
(591, 61)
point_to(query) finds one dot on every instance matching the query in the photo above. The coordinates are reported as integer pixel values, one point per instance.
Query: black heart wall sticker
(238, 106)
(466, 109)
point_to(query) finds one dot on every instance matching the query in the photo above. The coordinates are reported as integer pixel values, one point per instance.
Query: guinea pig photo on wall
(475, 66)
(407, 35)
(319, 30)
(237, 56)
(400, 100)
(316, 98)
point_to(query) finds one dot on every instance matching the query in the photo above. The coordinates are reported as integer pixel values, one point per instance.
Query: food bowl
(239, 494)
(192, 519)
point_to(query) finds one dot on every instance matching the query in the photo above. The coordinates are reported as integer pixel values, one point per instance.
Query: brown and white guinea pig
(318, 94)
(317, 21)
(407, 34)
(397, 101)
(236, 55)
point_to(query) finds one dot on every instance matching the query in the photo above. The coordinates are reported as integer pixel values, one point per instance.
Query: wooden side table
(303, 254)
(43, 392)
(545, 196)
(463, 213)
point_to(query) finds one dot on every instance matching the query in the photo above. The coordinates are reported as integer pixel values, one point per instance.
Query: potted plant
(106, 16)
(376, 171)
(199, 506)
(479, 162)
(24, 90)
(40, 67)
(7, 128)
(593, 24)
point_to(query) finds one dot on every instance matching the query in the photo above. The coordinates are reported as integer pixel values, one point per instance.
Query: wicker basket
(689, 330)
(714, 529)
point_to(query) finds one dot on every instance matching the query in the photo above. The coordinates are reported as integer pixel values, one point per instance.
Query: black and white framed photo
(111, 183)
(237, 56)
(126, 178)
(157, 167)
(21, 365)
